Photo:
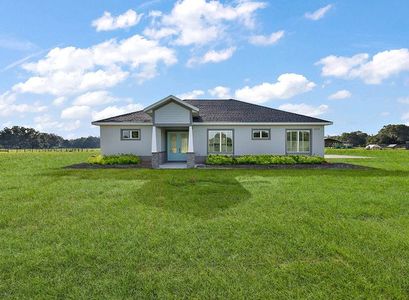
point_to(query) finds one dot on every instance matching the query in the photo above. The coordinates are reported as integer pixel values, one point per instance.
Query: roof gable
(168, 99)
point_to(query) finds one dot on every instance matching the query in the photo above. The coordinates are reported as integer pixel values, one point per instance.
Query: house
(189, 130)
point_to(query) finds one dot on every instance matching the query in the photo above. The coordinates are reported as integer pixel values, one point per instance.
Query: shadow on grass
(203, 194)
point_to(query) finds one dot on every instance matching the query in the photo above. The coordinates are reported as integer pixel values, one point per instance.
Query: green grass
(135, 233)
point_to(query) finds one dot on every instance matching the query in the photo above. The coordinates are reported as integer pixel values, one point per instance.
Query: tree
(28, 138)
(392, 134)
(356, 138)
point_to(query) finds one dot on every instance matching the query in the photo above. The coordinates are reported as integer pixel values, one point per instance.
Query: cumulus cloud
(319, 13)
(262, 40)
(8, 105)
(199, 22)
(382, 65)
(111, 111)
(305, 109)
(191, 95)
(46, 123)
(76, 112)
(59, 101)
(94, 98)
(220, 92)
(403, 100)
(71, 70)
(341, 94)
(212, 56)
(108, 22)
(288, 85)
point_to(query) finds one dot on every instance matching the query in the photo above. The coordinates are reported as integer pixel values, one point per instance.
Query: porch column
(190, 150)
(190, 145)
(155, 154)
(154, 144)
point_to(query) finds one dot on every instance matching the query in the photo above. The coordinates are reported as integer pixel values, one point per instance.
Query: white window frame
(298, 141)
(260, 134)
(130, 134)
(220, 142)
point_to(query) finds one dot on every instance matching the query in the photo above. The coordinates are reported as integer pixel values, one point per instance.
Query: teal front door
(177, 145)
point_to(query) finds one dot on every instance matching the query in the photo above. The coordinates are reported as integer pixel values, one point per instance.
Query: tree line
(389, 134)
(18, 137)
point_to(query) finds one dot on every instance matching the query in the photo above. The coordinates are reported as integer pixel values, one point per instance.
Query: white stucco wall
(172, 113)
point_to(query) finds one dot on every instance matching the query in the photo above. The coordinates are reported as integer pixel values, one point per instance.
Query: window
(298, 141)
(220, 141)
(130, 134)
(260, 134)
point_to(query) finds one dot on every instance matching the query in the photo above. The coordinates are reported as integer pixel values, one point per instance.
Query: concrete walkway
(173, 165)
(344, 156)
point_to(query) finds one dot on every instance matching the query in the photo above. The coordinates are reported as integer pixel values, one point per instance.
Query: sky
(66, 63)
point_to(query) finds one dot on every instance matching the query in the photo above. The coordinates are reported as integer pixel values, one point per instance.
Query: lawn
(234, 234)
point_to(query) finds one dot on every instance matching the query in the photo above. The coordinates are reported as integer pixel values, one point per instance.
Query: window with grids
(220, 141)
(130, 134)
(260, 134)
(298, 141)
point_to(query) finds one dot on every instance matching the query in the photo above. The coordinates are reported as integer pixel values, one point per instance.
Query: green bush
(123, 159)
(214, 159)
(263, 159)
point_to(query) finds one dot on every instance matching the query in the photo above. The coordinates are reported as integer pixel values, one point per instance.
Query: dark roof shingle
(228, 110)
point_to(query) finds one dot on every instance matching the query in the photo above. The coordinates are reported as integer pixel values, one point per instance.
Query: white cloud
(76, 112)
(403, 100)
(59, 101)
(108, 22)
(382, 65)
(305, 109)
(288, 85)
(220, 92)
(94, 98)
(319, 13)
(212, 56)
(262, 40)
(9, 107)
(71, 70)
(199, 22)
(47, 123)
(385, 114)
(111, 111)
(191, 95)
(340, 66)
(341, 94)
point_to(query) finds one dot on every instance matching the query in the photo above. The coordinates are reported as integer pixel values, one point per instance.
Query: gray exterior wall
(172, 113)
(244, 144)
(111, 142)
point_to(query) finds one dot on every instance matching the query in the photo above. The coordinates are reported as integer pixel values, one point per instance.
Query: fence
(51, 150)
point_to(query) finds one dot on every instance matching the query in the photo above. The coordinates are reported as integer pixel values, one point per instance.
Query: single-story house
(189, 130)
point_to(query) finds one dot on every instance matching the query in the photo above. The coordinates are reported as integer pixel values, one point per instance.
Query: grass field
(235, 234)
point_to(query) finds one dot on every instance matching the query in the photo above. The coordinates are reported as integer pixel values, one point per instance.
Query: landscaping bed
(283, 166)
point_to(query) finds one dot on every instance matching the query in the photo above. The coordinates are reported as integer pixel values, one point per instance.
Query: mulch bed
(95, 166)
(147, 165)
(294, 166)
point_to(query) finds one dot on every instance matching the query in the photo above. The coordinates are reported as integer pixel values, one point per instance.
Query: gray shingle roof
(228, 110)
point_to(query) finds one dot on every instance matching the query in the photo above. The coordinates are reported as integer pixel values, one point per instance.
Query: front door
(177, 145)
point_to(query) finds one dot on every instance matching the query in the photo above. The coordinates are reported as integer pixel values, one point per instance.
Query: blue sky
(64, 63)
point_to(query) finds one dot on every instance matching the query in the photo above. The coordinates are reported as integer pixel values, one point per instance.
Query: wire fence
(51, 150)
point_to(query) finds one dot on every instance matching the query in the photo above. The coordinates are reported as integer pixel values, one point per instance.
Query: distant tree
(26, 138)
(356, 138)
(392, 134)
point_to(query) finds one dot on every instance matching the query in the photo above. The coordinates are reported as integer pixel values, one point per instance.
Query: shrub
(263, 159)
(123, 159)
(215, 159)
